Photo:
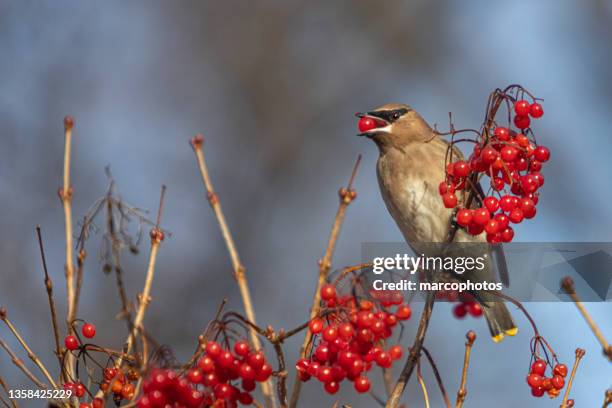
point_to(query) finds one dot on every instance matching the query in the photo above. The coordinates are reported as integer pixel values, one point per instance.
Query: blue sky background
(273, 86)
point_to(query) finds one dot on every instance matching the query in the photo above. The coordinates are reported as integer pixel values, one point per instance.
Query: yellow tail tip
(512, 332)
(498, 338)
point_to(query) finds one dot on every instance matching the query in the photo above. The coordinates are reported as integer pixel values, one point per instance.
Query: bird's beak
(381, 123)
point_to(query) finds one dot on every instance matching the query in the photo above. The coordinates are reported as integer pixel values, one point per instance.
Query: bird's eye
(395, 115)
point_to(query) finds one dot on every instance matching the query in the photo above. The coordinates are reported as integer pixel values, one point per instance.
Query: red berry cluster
(210, 383)
(513, 162)
(352, 341)
(551, 385)
(466, 304)
(118, 383)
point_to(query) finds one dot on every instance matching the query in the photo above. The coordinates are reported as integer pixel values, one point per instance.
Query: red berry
(403, 312)
(79, 390)
(213, 349)
(488, 155)
(522, 122)
(522, 140)
(558, 382)
(541, 154)
(502, 134)
(497, 183)
(246, 372)
(538, 367)
(332, 387)
(98, 403)
(256, 359)
(362, 384)
(330, 333)
(226, 359)
(507, 234)
(88, 330)
(506, 203)
(481, 216)
(534, 380)
(535, 110)
(503, 220)
(529, 183)
(538, 392)
(509, 153)
(450, 200)
(560, 369)
(328, 292)
(264, 372)
(195, 376)
(316, 325)
(491, 203)
(367, 123)
(464, 217)
(244, 398)
(461, 169)
(242, 348)
(492, 226)
(396, 352)
(516, 216)
(443, 188)
(71, 342)
(521, 107)
(460, 311)
(474, 309)
(383, 359)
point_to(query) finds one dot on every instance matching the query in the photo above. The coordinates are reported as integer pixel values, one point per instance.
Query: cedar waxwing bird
(410, 167)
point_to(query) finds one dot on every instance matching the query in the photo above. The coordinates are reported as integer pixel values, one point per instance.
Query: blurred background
(273, 86)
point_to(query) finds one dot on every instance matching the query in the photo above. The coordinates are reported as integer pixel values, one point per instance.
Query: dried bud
(157, 235)
(569, 403)
(2, 313)
(342, 192)
(213, 199)
(567, 284)
(196, 141)
(580, 353)
(471, 337)
(68, 122)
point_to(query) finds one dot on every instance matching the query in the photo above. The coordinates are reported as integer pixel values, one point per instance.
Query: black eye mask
(388, 115)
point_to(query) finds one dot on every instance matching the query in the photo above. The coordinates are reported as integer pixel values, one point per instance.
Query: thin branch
(28, 350)
(347, 195)
(414, 354)
(462, 392)
(434, 367)
(568, 286)
(6, 389)
(157, 236)
(238, 268)
(19, 364)
(422, 383)
(49, 287)
(579, 354)
(65, 194)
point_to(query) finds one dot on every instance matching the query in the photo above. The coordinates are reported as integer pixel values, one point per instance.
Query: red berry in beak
(368, 123)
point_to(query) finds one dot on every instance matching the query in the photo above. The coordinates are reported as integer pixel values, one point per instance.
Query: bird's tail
(499, 320)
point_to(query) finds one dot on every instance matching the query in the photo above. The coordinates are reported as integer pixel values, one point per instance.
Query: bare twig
(462, 392)
(6, 389)
(19, 364)
(238, 268)
(28, 350)
(568, 286)
(579, 354)
(49, 287)
(347, 195)
(422, 384)
(434, 367)
(66, 197)
(414, 354)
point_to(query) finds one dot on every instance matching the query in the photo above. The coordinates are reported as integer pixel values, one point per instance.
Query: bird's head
(393, 125)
